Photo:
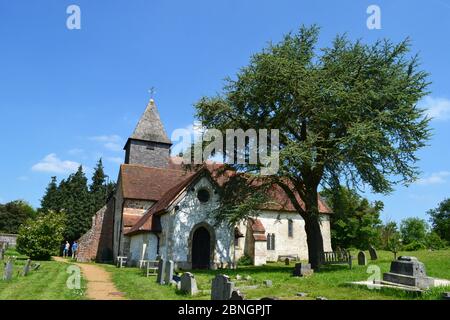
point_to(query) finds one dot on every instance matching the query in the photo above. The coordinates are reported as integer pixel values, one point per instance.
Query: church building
(160, 209)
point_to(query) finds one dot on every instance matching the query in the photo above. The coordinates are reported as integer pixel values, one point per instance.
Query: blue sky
(72, 96)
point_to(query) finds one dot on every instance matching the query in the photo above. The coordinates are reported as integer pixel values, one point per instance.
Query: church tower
(149, 144)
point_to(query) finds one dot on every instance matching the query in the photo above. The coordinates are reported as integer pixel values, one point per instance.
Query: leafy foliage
(13, 214)
(40, 238)
(440, 219)
(355, 221)
(414, 232)
(347, 112)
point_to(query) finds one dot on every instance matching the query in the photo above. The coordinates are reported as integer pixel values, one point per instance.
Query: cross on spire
(152, 92)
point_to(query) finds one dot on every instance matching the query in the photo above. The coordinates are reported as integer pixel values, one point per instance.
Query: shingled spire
(149, 144)
(149, 127)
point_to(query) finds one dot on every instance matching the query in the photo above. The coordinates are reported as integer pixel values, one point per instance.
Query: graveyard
(275, 280)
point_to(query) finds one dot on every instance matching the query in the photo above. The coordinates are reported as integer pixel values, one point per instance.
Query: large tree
(344, 113)
(355, 221)
(50, 200)
(100, 188)
(13, 214)
(440, 219)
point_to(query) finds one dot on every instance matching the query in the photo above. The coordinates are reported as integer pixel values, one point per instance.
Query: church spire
(150, 127)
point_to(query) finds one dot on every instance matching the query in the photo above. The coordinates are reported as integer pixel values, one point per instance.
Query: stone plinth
(410, 272)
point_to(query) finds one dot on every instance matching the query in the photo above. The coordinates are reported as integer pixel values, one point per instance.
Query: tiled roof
(146, 183)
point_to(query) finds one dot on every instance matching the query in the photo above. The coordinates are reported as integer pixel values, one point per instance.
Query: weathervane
(152, 92)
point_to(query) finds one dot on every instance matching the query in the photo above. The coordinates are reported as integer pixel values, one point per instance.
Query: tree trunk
(313, 232)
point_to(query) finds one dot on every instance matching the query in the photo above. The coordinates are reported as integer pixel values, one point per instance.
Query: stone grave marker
(161, 268)
(221, 288)
(26, 268)
(168, 272)
(236, 295)
(1, 254)
(8, 272)
(362, 260)
(188, 283)
(267, 283)
(302, 269)
(373, 253)
(286, 261)
(408, 271)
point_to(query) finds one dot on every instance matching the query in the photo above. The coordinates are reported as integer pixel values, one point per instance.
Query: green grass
(46, 283)
(330, 282)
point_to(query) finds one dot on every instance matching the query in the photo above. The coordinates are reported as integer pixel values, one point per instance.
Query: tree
(440, 219)
(75, 203)
(387, 232)
(40, 238)
(13, 214)
(347, 113)
(414, 232)
(355, 221)
(99, 190)
(50, 200)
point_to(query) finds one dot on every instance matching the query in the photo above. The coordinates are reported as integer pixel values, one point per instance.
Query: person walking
(74, 250)
(66, 249)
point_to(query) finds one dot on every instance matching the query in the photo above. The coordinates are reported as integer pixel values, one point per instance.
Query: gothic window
(290, 228)
(271, 241)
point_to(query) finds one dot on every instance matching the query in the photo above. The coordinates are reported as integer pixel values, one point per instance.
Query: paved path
(99, 284)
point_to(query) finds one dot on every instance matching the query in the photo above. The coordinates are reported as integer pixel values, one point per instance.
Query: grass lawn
(46, 283)
(330, 282)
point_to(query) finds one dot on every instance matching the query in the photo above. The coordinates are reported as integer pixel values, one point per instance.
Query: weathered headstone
(267, 283)
(287, 261)
(188, 283)
(26, 268)
(410, 272)
(1, 254)
(362, 260)
(302, 269)
(373, 253)
(168, 272)
(161, 268)
(8, 272)
(221, 288)
(236, 295)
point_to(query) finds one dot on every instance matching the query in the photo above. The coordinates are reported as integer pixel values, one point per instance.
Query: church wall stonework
(151, 154)
(178, 226)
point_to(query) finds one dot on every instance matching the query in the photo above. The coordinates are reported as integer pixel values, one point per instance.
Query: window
(290, 228)
(236, 242)
(271, 241)
(203, 195)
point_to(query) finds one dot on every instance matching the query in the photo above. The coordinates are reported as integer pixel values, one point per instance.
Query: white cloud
(437, 108)
(51, 163)
(116, 160)
(434, 178)
(111, 142)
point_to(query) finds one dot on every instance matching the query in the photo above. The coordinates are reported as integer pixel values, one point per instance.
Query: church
(160, 209)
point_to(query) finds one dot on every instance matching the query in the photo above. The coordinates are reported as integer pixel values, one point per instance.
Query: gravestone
(267, 283)
(1, 254)
(287, 261)
(26, 268)
(236, 295)
(168, 272)
(373, 253)
(188, 283)
(410, 272)
(362, 260)
(221, 288)
(8, 272)
(161, 267)
(302, 269)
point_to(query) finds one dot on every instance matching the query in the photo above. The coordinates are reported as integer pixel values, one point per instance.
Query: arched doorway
(201, 248)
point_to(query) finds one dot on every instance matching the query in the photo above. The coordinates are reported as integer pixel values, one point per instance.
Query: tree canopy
(440, 219)
(347, 113)
(13, 214)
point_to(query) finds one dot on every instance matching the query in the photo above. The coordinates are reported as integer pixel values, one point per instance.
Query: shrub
(40, 238)
(245, 261)
(413, 246)
(433, 241)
